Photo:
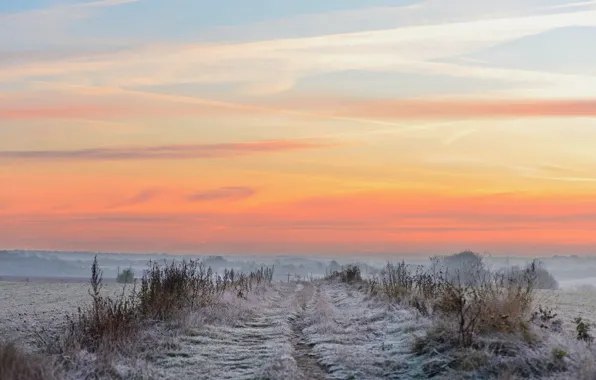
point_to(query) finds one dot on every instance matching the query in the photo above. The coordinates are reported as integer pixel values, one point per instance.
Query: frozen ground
(288, 331)
(570, 304)
(296, 331)
(28, 307)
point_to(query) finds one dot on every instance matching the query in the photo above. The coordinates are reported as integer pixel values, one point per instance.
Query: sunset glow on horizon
(317, 127)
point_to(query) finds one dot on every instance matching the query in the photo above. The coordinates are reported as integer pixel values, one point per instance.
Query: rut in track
(303, 355)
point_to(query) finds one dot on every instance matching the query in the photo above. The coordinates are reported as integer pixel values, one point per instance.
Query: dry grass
(130, 327)
(167, 293)
(475, 300)
(483, 322)
(16, 364)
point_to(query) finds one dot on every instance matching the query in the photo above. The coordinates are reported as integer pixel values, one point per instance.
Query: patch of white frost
(237, 339)
(360, 337)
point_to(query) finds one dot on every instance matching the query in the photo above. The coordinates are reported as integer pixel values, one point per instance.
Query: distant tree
(127, 276)
(466, 267)
(463, 259)
(541, 277)
(334, 266)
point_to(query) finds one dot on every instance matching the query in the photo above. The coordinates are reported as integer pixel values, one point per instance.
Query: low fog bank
(73, 266)
(571, 272)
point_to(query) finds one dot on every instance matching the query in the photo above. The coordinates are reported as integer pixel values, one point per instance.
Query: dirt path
(305, 359)
(239, 339)
(261, 338)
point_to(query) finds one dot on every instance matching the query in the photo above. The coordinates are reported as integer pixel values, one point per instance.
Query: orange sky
(433, 131)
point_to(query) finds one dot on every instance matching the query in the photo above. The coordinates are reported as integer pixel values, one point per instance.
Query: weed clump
(166, 292)
(459, 290)
(349, 274)
(15, 364)
(484, 322)
(583, 328)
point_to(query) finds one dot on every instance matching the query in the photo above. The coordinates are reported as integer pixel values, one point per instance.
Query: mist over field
(295, 317)
(75, 265)
(569, 271)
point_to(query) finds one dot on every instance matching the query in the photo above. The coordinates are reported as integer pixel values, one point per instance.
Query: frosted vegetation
(453, 318)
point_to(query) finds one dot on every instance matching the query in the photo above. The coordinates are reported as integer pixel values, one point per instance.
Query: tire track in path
(305, 359)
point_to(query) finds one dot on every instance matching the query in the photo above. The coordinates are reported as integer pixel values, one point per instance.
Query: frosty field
(320, 330)
(288, 331)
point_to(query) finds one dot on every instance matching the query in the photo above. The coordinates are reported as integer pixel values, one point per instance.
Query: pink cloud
(168, 152)
(230, 193)
(446, 108)
(325, 108)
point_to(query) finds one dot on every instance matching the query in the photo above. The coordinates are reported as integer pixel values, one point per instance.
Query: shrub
(165, 292)
(106, 319)
(459, 290)
(545, 318)
(127, 276)
(559, 353)
(349, 274)
(15, 364)
(543, 279)
(583, 329)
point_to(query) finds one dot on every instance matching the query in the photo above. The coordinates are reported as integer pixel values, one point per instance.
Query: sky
(393, 127)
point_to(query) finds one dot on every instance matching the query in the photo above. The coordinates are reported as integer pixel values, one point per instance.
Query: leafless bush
(459, 289)
(487, 304)
(127, 276)
(349, 274)
(543, 279)
(165, 293)
(106, 319)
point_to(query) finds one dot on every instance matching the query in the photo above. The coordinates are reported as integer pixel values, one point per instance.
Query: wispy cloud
(102, 3)
(162, 105)
(168, 152)
(141, 197)
(48, 25)
(571, 179)
(400, 49)
(230, 193)
(448, 108)
(376, 111)
(579, 4)
(458, 136)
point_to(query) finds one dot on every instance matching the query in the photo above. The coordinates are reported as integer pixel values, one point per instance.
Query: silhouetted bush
(351, 273)
(543, 278)
(127, 276)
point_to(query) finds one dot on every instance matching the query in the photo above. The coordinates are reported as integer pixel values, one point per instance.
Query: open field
(27, 307)
(320, 330)
(288, 331)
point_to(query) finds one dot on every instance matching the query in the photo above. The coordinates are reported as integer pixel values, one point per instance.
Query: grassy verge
(485, 324)
(131, 325)
(15, 364)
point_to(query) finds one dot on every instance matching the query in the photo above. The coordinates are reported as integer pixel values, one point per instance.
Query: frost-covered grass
(300, 331)
(27, 307)
(356, 336)
(111, 336)
(16, 364)
(237, 339)
(569, 304)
